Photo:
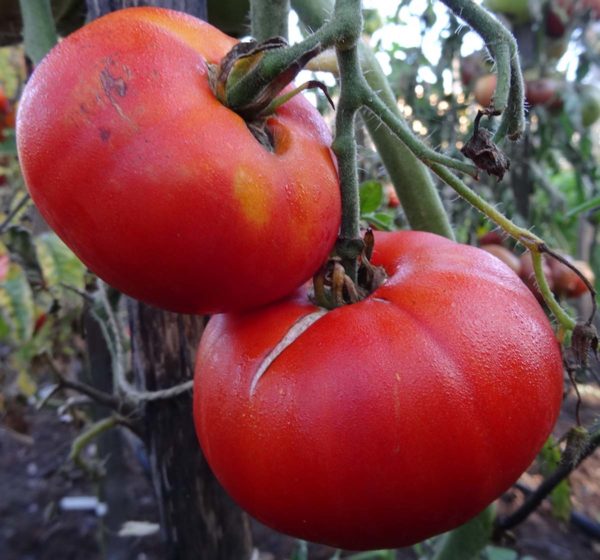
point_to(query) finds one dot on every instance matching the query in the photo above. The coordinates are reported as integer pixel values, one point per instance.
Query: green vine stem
(269, 18)
(423, 207)
(399, 127)
(344, 147)
(532, 242)
(500, 43)
(565, 320)
(86, 437)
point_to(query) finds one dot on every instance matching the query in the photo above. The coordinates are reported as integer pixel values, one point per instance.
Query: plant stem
(422, 206)
(344, 147)
(419, 197)
(269, 18)
(86, 437)
(523, 236)
(374, 103)
(508, 97)
(561, 315)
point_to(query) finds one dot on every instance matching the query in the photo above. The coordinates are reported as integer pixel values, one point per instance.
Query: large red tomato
(379, 424)
(161, 190)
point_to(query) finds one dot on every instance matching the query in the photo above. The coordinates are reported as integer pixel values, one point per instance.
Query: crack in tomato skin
(389, 420)
(296, 330)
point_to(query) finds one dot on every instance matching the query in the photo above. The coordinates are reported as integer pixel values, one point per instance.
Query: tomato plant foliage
(160, 189)
(382, 423)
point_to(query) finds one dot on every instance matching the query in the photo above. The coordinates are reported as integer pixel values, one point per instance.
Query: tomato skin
(162, 191)
(505, 255)
(386, 421)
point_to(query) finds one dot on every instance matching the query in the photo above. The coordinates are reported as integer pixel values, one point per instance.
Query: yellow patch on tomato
(249, 190)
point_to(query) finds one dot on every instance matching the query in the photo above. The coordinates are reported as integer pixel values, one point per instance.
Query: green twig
(561, 315)
(344, 146)
(422, 206)
(86, 437)
(523, 236)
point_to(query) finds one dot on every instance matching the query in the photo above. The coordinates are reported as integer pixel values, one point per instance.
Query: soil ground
(34, 478)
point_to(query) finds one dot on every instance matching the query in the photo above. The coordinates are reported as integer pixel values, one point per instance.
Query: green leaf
(560, 497)
(587, 205)
(16, 305)
(39, 30)
(59, 265)
(371, 196)
(381, 221)
(469, 539)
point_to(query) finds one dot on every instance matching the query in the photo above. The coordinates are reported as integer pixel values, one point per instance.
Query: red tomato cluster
(372, 425)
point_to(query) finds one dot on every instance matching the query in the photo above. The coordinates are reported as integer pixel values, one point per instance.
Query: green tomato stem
(344, 145)
(565, 320)
(399, 127)
(419, 197)
(523, 236)
(508, 97)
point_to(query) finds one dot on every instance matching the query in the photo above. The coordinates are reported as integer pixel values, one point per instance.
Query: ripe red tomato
(161, 190)
(386, 421)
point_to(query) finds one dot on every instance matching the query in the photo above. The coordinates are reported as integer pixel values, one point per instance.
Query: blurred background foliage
(440, 75)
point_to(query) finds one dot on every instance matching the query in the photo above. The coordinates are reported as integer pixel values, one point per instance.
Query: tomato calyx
(333, 287)
(483, 152)
(239, 63)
